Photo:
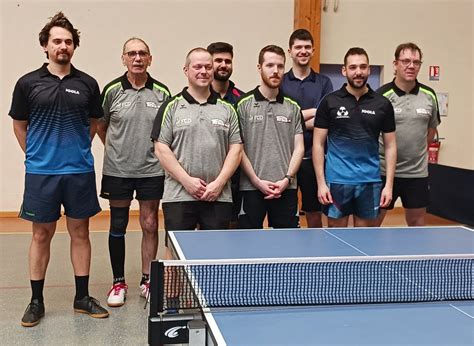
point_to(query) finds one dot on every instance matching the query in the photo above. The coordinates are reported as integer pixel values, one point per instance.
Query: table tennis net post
(312, 281)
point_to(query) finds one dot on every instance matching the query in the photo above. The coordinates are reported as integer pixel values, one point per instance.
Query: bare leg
(80, 245)
(358, 222)
(39, 252)
(381, 217)
(149, 224)
(415, 217)
(341, 222)
(314, 219)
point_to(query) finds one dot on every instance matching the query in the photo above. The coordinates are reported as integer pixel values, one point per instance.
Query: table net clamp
(182, 291)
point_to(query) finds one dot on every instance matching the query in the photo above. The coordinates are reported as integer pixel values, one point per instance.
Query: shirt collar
(127, 85)
(45, 72)
(344, 93)
(212, 99)
(400, 92)
(311, 77)
(260, 97)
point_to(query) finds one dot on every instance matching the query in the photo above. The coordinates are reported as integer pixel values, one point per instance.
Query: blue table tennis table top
(441, 323)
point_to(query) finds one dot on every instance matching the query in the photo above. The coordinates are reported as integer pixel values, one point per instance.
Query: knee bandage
(118, 221)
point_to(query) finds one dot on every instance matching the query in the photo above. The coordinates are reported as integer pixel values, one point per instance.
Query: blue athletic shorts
(361, 200)
(44, 195)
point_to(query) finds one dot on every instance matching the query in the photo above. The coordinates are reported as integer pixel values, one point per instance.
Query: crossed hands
(202, 191)
(272, 190)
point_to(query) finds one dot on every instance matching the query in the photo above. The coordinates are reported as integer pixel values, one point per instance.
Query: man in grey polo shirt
(130, 104)
(197, 140)
(416, 117)
(273, 149)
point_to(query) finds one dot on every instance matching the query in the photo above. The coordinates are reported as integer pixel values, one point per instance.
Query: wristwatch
(290, 178)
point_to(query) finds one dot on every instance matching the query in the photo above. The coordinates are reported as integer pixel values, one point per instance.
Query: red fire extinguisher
(433, 149)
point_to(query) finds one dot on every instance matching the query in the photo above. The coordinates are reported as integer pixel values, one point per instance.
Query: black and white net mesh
(291, 282)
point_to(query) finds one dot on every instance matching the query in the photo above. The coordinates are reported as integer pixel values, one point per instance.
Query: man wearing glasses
(416, 117)
(130, 104)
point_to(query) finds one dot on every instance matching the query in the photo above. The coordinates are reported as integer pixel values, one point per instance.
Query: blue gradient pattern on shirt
(58, 141)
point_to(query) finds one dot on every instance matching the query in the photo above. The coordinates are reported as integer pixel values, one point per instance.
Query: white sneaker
(145, 290)
(116, 296)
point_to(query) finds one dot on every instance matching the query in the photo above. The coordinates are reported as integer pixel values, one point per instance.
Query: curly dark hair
(60, 20)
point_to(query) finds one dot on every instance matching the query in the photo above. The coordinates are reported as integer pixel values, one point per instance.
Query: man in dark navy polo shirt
(351, 119)
(54, 111)
(222, 59)
(308, 88)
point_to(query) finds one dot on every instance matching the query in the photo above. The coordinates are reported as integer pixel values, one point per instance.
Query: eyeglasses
(407, 62)
(141, 53)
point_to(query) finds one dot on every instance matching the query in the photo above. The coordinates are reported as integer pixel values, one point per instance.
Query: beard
(63, 59)
(271, 82)
(358, 84)
(222, 77)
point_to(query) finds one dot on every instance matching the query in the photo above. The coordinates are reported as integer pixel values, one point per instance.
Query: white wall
(171, 28)
(444, 31)
(442, 28)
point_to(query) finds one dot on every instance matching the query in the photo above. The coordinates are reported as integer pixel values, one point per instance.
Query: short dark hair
(60, 20)
(409, 45)
(220, 47)
(300, 34)
(271, 48)
(136, 39)
(355, 51)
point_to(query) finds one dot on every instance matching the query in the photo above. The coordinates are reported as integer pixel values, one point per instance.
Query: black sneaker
(33, 313)
(90, 306)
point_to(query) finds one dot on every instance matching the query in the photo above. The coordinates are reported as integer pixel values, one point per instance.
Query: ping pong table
(439, 322)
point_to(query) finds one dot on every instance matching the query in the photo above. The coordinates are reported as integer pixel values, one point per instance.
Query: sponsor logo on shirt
(256, 105)
(342, 113)
(219, 122)
(151, 104)
(367, 111)
(282, 119)
(72, 91)
(125, 104)
(398, 110)
(422, 111)
(256, 117)
(183, 122)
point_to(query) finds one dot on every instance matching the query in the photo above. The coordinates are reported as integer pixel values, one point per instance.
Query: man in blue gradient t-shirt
(351, 120)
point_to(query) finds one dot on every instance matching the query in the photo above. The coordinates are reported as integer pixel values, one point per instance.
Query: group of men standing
(218, 157)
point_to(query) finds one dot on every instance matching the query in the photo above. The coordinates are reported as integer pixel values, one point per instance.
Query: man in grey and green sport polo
(197, 140)
(130, 104)
(272, 129)
(351, 120)
(416, 117)
(55, 110)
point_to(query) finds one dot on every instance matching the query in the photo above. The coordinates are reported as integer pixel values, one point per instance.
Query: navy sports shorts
(44, 195)
(361, 200)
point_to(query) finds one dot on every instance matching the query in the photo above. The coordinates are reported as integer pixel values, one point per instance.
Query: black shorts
(44, 195)
(282, 212)
(414, 192)
(308, 187)
(182, 216)
(147, 189)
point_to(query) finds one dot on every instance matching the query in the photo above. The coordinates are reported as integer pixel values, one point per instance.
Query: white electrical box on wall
(443, 103)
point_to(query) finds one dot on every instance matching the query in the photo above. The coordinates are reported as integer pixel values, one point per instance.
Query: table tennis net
(292, 282)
